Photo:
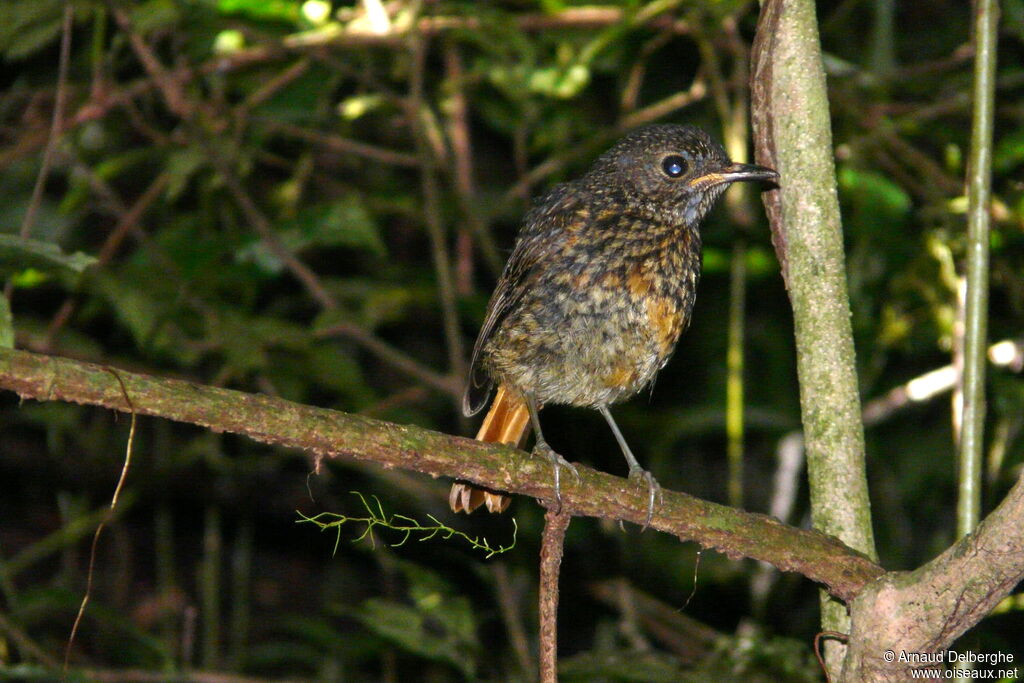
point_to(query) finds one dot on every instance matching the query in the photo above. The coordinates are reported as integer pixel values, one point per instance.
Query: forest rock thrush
(600, 284)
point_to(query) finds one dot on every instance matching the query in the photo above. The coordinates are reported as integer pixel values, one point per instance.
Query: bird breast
(603, 324)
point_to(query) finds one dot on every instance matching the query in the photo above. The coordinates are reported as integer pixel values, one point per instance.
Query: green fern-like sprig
(407, 526)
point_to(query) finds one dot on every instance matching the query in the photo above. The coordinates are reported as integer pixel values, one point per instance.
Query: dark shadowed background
(271, 208)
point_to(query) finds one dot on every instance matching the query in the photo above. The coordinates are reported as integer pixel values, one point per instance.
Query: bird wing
(541, 235)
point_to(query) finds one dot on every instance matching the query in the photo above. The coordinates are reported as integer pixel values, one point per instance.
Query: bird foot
(640, 475)
(557, 462)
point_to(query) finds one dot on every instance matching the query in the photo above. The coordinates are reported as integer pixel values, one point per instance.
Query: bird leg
(636, 473)
(541, 448)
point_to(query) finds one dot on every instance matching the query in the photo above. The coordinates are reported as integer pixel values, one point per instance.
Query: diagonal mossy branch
(328, 434)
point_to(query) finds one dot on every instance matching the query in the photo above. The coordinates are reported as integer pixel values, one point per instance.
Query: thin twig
(256, 218)
(342, 145)
(691, 641)
(432, 210)
(193, 676)
(732, 110)
(167, 82)
(127, 222)
(906, 177)
(634, 80)
(176, 101)
(56, 121)
(508, 603)
(356, 35)
(1008, 353)
(552, 544)
(273, 86)
(979, 194)
(921, 163)
(551, 165)
(734, 362)
(394, 357)
(916, 118)
(789, 457)
(462, 160)
(629, 619)
(102, 525)
(818, 637)
(24, 643)
(662, 108)
(101, 187)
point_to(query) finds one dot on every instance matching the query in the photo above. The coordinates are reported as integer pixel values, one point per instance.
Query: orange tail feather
(506, 422)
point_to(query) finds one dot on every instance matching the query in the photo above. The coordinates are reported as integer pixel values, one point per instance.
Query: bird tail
(507, 422)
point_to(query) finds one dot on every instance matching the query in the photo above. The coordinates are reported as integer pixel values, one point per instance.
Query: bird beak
(736, 173)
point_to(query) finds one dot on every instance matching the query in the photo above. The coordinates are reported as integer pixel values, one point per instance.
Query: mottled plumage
(601, 282)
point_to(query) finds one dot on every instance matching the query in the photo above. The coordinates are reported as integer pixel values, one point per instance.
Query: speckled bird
(600, 285)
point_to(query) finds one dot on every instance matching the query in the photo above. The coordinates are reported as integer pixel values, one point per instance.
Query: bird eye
(674, 166)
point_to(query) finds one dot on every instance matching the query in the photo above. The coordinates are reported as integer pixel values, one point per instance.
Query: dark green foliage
(166, 241)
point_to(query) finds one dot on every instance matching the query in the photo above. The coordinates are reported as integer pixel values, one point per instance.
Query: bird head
(670, 173)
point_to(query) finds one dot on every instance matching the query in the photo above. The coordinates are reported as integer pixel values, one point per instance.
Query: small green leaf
(560, 82)
(758, 261)
(181, 166)
(344, 222)
(6, 324)
(874, 192)
(1009, 152)
(154, 15)
(385, 305)
(148, 308)
(29, 278)
(18, 255)
(228, 41)
(27, 26)
(351, 108)
(274, 10)
(422, 632)
(31, 40)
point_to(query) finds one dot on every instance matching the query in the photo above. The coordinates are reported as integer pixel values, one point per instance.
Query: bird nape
(599, 286)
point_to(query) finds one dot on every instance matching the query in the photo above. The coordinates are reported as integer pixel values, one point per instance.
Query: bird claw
(654, 490)
(557, 462)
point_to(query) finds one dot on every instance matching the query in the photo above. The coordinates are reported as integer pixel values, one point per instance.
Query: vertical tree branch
(556, 521)
(791, 121)
(979, 180)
